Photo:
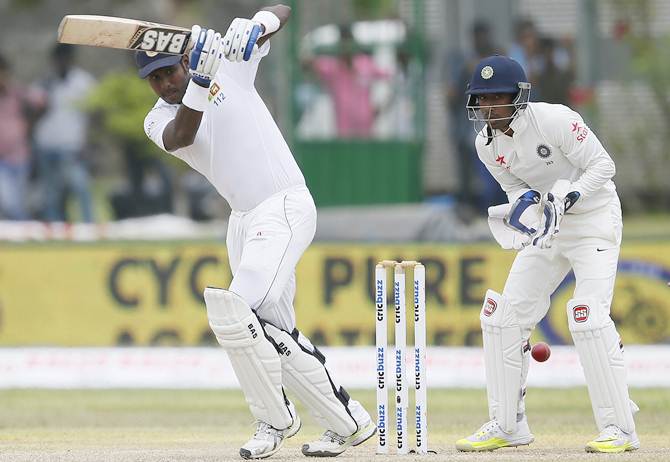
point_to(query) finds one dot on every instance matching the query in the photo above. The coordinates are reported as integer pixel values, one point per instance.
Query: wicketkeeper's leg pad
(504, 358)
(305, 374)
(601, 354)
(252, 355)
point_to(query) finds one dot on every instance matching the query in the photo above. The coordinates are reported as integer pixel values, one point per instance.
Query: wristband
(196, 97)
(269, 20)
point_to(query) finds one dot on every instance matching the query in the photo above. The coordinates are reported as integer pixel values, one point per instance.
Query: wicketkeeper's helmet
(497, 74)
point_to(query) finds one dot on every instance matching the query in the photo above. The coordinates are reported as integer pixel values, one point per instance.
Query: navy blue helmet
(497, 74)
(147, 63)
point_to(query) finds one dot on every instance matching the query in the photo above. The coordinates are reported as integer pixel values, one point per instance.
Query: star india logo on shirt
(487, 72)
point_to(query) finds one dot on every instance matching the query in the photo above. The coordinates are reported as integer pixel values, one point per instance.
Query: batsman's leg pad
(305, 374)
(253, 356)
(503, 357)
(601, 354)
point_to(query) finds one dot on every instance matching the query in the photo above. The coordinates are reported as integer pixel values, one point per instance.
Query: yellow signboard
(151, 293)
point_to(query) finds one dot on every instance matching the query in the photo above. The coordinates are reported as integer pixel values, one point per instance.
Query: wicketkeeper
(210, 115)
(557, 175)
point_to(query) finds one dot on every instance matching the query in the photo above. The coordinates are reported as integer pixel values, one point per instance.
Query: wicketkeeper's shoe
(490, 437)
(614, 439)
(267, 440)
(331, 444)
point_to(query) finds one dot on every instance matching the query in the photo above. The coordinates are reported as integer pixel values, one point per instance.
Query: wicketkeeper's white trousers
(587, 243)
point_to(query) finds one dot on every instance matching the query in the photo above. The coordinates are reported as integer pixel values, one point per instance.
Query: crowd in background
(43, 142)
(46, 149)
(358, 90)
(351, 93)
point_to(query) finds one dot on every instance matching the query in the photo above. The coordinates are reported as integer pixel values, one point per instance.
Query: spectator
(61, 137)
(526, 49)
(117, 106)
(555, 75)
(396, 115)
(349, 77)
(477, 188)
(19, 107)
(547, 65)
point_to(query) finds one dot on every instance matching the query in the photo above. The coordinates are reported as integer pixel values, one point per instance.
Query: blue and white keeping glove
(552, 211)
(240, 41)
(555, 204)
(205, 56)
(523, 217)
(523, 203)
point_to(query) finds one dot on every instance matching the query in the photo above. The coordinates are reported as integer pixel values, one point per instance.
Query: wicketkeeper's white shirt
(550, 142)
(238, 147)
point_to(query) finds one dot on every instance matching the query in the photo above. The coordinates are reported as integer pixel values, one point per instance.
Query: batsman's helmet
(497, 74)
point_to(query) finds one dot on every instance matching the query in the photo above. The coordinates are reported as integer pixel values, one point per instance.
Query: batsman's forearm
(282, 12)
(181, 131)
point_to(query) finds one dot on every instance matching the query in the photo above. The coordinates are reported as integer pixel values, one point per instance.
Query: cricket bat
(129, 34)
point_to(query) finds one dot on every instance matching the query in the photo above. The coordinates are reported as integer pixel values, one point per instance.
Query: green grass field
(167, 425)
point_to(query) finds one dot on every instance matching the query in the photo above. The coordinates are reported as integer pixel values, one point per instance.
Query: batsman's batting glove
(240, 40)
(206, 55)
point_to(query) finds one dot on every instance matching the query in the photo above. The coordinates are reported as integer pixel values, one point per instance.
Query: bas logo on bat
(159, 40)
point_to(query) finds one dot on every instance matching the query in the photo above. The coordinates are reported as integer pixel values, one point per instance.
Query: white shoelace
(610, 432)
(487, 427)
(331, 436)
(265, 431)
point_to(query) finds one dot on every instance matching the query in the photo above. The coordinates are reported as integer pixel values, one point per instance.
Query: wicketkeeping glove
(523, 202)
(554, 207)
(553, 210)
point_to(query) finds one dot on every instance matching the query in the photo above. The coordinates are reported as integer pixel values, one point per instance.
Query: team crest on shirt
(543, 151)
(215, 94)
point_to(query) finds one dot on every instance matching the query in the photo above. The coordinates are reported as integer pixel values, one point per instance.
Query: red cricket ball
(540, 352)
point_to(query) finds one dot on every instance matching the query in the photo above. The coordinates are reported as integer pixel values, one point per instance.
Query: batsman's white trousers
(264, 246)
(589, 244)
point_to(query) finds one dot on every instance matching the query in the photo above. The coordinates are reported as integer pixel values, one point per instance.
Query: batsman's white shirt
(238, 147)
(552, 142)
(241, 151)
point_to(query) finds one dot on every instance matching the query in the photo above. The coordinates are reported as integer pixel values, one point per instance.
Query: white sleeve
(155, 123)
(512, 185)
(583, 149)
(244, 72)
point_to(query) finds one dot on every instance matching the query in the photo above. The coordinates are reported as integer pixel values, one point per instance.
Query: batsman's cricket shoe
(331, 444)
(267, 440)
(613, 439)
(490, 437)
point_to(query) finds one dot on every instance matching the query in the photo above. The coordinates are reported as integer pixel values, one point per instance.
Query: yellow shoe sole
(595, 447)
(483, 446)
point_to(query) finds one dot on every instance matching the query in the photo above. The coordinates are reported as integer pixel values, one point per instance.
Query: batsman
(210, 115)
(557, 176)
